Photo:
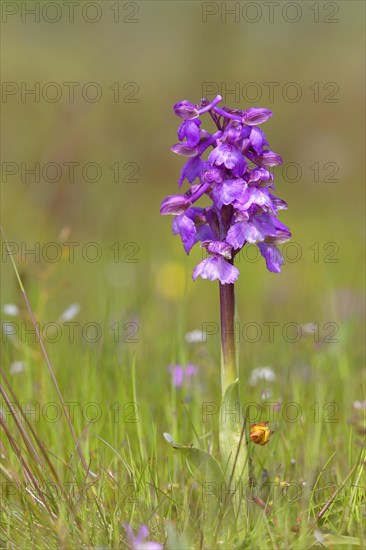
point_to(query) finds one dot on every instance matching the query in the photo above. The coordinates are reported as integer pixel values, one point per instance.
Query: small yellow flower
(259, 433)
(171, 280)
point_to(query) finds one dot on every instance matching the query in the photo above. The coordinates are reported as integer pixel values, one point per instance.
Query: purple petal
(212, 216)
(185, 109)
(218, 247)
(216, 268)
(182, 149)
(269, 158)
(175, 205)
(228, 191)
(255, 196)
(191, 170)
(142, 533)
(236, 235)
(189, 129)
(245, 133)
(272, 255)
(213, 174)
(203, 233)
(186, 228)
(191, 370)
(150, 546)
(261, 227)
(257, 139)
(230, 156)
(242, 232)
(264, 223)
(280, 233)
(259, 175)
(192, 132)
(197, 214)
(242, 216)
(180, 132)
(266, 159)
(278, 203)
(256, 115)
(233, 133)
(177, 373)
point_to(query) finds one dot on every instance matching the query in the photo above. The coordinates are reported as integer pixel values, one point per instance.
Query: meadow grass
(307, 486)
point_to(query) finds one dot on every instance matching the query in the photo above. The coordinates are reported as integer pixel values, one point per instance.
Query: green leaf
(334, 541)
(205, 469)
(327, 540)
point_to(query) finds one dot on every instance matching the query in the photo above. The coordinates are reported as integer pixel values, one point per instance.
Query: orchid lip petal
(216, 268)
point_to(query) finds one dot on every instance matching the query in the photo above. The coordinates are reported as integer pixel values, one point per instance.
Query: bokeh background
(160, 53)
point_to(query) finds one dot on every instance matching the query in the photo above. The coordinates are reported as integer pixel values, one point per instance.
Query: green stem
(231, 422)
(228, 348)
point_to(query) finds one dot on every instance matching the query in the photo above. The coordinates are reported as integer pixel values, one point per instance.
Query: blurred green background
(160, 53)
(140, 58)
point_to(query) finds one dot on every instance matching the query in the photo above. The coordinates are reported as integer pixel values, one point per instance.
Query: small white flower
(16, 367)
(359, 405)
(70, 312)
(261, 373)
(266, 394)
(319, 537)
(308, 328)
(196, 337)
(11, 309)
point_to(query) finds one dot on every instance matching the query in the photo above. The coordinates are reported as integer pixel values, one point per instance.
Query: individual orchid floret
(186, 110)
(231, 168)
(190, 130)
(139, 542)
(230, 156)
(250, 231)
(228, 191)
(254, 196)
(218, 247)
(217, 266)
(260, 177)
(192, 227)
(182, 375)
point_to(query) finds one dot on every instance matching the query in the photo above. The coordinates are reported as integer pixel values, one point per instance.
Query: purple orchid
(180, 374)
(137, 542)
(236, 178)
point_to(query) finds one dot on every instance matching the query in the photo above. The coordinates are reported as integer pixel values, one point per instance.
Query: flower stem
(228, 348)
